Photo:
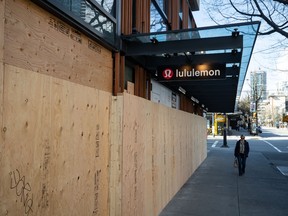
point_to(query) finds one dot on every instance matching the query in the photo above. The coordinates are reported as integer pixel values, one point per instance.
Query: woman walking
(241, 153)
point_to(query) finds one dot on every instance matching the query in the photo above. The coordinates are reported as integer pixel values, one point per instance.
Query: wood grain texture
(56, 140)
(72, 145)
(162, 147)
(116, 140)
(37, 41)
(67, 146)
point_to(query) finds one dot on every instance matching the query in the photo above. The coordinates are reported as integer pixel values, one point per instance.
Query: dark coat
(237, 148)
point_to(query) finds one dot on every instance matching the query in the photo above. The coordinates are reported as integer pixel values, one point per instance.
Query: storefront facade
(87, 128)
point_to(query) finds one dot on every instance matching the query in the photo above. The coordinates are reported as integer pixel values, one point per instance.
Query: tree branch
(270, 22)
(285, 2)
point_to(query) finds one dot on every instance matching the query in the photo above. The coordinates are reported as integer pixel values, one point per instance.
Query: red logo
(167, 73)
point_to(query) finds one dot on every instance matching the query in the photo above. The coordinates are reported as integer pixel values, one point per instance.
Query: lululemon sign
(191, 72)
(167, 73)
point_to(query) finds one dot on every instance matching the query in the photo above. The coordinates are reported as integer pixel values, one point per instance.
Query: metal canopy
(231, 45)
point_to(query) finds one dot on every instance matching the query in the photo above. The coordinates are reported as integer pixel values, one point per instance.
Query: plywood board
(133, 148)
(116, 137)
(56, 146)
(56, 149)
(159, 154)
(26, 137)
(37, 41)
(130, 87)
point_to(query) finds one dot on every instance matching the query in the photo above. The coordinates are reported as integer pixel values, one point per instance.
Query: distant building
(282, 88)
(275, 109)
(258, 82)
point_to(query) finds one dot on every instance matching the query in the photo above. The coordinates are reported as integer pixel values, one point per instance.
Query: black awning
(229, 45)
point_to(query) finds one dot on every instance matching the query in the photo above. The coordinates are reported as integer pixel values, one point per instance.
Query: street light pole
(225, 135)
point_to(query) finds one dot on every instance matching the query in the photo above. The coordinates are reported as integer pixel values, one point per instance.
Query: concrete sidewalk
(215, 189)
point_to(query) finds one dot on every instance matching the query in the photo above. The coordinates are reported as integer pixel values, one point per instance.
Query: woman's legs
(241, 164)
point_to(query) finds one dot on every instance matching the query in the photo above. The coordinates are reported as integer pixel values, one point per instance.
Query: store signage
(220, 118)
(191, 72)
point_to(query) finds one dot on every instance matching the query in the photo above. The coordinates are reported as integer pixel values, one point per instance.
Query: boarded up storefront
(67, 146)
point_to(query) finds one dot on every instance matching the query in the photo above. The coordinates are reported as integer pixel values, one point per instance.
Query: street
(215, 188)
(276, 150)
(272, 143)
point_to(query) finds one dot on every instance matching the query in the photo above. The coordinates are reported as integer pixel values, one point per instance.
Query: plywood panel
(133, 148)
(56, 149)
(37, 41)
(116, 130)
(159, 154)
(26, 141)
(80, 131)
(147, 165)
(56, 146)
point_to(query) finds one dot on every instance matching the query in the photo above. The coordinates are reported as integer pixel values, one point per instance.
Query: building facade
(258, 83)
(88, 127)
(79, 132)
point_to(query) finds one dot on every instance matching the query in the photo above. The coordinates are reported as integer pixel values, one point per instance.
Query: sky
(275, 64)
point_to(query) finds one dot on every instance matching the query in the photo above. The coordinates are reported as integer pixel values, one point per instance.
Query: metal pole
(224, 136)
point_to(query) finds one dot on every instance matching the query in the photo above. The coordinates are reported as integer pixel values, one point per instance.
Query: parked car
(255, 130)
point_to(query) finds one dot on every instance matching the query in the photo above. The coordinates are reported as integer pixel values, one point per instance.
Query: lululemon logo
(167, 73)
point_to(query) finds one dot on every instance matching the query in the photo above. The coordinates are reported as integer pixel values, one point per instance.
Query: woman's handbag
(235, 162)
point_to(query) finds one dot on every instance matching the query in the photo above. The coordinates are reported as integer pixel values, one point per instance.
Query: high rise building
(258, 83)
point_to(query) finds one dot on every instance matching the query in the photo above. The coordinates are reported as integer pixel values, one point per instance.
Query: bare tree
(272, 13)
(244, 105)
